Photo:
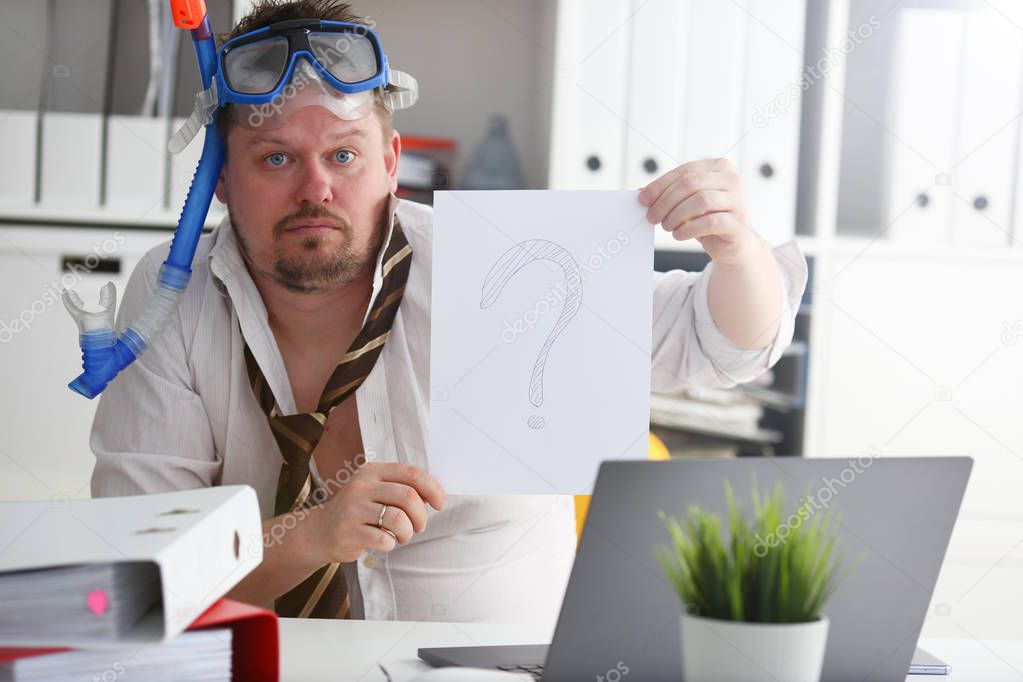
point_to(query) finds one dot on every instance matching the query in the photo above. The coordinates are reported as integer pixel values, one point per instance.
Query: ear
(391, 155)
(221, 190)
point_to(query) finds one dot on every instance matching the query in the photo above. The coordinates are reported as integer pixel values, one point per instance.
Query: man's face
(308, 200)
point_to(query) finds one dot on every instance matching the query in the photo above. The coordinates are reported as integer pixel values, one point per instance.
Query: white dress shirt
(184, 416)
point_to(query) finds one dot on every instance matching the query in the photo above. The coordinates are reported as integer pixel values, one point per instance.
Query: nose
(315, 184)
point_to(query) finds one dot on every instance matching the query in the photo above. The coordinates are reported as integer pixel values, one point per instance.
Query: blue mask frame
(297, 32)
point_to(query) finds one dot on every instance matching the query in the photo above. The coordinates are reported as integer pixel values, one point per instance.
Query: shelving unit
(907, 356)
(789, 374)
(159, 219)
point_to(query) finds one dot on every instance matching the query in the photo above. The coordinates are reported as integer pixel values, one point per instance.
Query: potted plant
(752, 603)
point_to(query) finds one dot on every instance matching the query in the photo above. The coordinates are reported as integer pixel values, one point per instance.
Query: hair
(267, 12)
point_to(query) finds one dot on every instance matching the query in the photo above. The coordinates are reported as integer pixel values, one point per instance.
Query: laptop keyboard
(535, 670)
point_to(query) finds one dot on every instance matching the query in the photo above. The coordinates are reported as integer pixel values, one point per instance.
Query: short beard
(316, 272)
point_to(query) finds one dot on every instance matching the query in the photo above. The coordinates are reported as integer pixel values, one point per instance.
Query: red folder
(254, 648)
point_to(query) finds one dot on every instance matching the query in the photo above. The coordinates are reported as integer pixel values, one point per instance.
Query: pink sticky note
(98, 602)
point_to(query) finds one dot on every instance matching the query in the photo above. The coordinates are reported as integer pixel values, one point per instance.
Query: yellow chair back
(657, 451)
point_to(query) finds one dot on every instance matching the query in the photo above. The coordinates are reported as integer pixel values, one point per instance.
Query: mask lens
(349, 57)
(255, 69)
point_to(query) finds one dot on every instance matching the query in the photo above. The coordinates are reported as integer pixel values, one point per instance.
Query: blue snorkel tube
(105, 353)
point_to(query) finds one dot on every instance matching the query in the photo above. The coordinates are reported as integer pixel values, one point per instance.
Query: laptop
(895, 515)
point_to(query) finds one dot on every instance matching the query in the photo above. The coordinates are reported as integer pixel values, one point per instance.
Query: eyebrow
(280, 141)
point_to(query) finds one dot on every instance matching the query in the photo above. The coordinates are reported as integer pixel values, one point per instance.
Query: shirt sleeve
(151, 432)
(688, 348)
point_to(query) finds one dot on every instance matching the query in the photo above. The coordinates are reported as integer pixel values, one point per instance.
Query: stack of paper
(706, 410)
(202, 655)
(87, 602)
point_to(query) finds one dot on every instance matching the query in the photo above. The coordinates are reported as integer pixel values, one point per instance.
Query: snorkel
(105, 353)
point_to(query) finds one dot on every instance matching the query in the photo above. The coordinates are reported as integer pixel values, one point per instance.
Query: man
(298, 285)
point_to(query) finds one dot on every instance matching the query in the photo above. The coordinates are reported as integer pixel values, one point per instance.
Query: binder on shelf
(71, 159)
(769, 153)
(200, 543)
(713, 99)
(658, 46)
(983, 172)
(255, 653)
(590, 83)
(18, 138)
(136, 160)
(924, 117)
(74, 87)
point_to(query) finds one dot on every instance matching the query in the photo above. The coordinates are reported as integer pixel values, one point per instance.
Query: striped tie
(324, 593)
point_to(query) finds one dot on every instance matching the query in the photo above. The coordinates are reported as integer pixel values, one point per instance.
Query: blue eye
(276, 159)
(344, 156)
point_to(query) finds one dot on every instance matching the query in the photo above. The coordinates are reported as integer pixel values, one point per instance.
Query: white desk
(313, 650)
(341, 650)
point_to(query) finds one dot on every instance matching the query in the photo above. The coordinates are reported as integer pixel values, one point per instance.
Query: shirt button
(368, 561)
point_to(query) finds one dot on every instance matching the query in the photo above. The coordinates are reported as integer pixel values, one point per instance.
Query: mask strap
(405, 90)
(201, 116)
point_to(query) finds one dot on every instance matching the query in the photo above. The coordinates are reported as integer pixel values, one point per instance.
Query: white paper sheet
(540, 349)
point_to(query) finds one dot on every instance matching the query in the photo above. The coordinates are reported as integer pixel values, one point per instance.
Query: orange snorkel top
(188, 14)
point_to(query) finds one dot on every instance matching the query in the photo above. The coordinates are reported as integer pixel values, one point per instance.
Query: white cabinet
(917, 331)
(644, 86)
(45, 440)
(920, 355)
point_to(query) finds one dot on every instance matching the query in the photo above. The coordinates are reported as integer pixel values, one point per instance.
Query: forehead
(312, 126)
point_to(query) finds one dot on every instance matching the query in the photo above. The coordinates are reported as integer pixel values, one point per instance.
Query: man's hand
(342, 528)
(704, 200)
(346, 525)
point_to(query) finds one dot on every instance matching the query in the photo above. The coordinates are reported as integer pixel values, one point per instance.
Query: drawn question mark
(513, 260)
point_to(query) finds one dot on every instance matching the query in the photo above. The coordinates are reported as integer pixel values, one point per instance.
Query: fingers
(706, 173)
(395, 520)
(371, 537)
(400, 497)
(719, 224)
(685, 187)
(428, 487)
(398, 522)
(698, 204)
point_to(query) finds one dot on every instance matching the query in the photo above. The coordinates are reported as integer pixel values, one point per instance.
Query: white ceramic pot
(725, 651)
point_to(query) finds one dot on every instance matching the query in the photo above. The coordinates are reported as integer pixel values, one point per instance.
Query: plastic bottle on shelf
(494, 164)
